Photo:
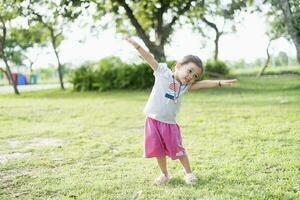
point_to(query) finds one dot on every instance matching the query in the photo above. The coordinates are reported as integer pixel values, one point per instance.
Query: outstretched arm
(211, 84)
(145, 54)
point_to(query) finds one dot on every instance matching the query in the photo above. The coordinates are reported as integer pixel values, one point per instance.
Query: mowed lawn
(243, 143)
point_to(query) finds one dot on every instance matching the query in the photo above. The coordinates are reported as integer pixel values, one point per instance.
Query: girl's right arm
(145, 54)
(211, 84)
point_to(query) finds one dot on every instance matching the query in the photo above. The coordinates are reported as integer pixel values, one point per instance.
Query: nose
(189, 77)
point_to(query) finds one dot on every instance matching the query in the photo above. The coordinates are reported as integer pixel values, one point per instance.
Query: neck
(176, 77)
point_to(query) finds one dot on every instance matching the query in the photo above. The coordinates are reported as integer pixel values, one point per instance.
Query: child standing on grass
(162, 133)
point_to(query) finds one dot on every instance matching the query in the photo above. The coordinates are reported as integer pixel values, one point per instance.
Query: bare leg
(162, 163)
(185, 163)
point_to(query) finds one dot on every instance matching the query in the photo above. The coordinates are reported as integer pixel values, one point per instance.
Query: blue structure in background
(33, 79)
(21, 79)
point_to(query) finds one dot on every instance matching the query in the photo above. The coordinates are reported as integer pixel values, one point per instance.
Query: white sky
(248, 43)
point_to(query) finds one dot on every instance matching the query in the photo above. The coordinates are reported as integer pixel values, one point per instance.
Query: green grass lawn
(243, 143)
(253, 70)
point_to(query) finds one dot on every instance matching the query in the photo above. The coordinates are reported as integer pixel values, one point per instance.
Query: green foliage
(19, 36)
(106, 73)
(146, 12)
(216, 67)
(82, 78)
(8, 9)
(55, 16)
(277, 18)
(19, 40)
(72, 9)
(171, 63)
(111, 73)
(146, 18)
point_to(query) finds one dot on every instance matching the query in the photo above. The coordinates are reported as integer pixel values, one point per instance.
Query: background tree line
(26, 24)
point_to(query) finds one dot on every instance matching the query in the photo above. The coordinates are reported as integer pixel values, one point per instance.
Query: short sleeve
(162, 70)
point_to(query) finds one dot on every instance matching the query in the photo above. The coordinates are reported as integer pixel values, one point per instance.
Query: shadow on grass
(259, 86)
(175, 182)
(179, 182)
(70, 94)
(261, 90)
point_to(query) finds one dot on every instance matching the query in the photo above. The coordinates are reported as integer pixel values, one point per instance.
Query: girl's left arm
(211, 84)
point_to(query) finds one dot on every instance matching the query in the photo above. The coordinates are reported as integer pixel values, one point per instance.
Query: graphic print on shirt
(172, 91)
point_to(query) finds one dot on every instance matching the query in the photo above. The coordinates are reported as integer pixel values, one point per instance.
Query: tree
(276, 29)
(6, 74)
(153, 21)
(273, 34)
(289, 19)
(8, 13)
(267, 60)
(54, 16)
(21, 40)
(211, 13)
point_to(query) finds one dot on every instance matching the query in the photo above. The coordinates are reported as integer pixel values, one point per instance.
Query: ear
(177, 66)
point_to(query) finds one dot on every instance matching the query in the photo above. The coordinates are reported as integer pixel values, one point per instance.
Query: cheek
(182, 73)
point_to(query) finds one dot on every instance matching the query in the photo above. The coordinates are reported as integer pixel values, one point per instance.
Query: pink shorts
(162, 139)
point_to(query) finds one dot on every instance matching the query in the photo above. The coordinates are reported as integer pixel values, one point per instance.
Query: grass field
(253, 71)
(243, 143)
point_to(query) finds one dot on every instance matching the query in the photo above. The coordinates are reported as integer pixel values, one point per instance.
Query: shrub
(136, 76)
(83, 78)
(112, 73)
(106, 73)
(216, 68)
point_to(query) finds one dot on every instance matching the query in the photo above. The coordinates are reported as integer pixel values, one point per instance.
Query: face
(187, 73)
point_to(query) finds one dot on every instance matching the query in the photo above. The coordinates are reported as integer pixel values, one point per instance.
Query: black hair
(193, 59)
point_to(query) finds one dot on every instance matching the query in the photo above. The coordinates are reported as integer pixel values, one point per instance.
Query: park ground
(243, 143)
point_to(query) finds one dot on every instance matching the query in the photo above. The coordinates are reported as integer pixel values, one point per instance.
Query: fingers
(230, 81)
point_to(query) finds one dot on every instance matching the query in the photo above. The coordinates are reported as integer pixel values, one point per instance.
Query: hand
(131, 41)
(227, 82)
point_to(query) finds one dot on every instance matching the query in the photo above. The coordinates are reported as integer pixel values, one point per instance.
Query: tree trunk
(217, 38)
(297, 45)
(162, 31)
(6, 75)
(158, 52)
(3, 56)
(267, 61)
(60, 72)
(217, 45)
(293, 31)
(10, 79)
(30, 67)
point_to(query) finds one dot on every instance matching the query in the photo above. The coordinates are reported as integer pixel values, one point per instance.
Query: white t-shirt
(165, 98)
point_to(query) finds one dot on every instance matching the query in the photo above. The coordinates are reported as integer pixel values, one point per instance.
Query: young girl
(162, 133)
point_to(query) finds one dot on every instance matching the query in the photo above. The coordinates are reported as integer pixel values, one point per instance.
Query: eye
(190, 71)
(196, 76)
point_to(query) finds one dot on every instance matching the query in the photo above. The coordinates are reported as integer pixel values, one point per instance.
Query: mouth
(186, 80)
